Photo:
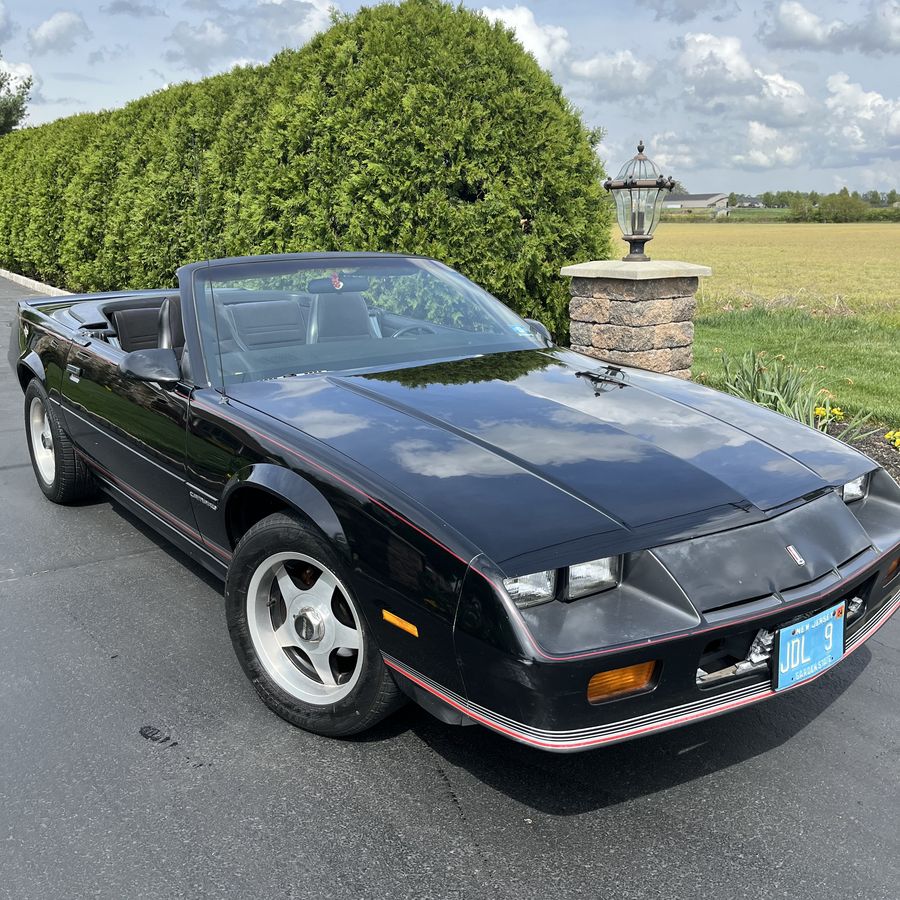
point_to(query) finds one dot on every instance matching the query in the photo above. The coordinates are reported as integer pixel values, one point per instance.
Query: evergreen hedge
(418, 127)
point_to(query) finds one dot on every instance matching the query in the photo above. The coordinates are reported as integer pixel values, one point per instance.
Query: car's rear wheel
(299, 633)
(60, 474)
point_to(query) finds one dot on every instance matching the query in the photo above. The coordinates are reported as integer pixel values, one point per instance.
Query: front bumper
(543, 703)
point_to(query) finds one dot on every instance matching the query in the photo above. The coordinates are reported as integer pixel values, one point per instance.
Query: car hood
(549, 452)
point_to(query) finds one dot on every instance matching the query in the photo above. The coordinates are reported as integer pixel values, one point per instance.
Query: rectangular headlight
(591, 577)
(529, 590)
(856, 489)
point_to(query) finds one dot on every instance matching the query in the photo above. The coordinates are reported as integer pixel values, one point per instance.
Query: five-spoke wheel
(299, 630)
(305, 627)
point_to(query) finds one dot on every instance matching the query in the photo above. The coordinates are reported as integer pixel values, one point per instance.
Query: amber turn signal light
(892, 571)
(402, 624)
(619, 682)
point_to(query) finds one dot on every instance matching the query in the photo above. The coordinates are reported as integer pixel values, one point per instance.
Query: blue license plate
(809, 647)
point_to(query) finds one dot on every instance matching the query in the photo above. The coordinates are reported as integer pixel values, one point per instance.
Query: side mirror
(540, 329)
(160, 365)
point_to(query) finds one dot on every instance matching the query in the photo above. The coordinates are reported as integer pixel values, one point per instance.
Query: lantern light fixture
(638, 190)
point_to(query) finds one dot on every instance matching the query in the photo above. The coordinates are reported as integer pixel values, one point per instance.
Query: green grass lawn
(858, 358)
(822, 295)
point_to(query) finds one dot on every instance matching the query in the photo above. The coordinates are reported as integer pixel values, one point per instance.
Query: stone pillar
(636, 313)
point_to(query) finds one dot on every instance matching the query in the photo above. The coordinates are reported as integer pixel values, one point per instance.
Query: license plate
(809, 647)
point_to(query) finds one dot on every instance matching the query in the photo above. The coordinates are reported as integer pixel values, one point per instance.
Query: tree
(732, 199)
(13, 99)
(842, 207)
(768, 199)
(873, 198)
(680, 188)
(892, 197)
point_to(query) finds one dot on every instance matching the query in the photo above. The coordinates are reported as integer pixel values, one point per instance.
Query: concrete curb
(33, 285)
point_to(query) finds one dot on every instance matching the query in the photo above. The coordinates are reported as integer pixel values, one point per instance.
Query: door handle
(74, 373)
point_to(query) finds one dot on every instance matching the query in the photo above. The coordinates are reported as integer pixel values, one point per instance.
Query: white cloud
(685, 10)
(863, 124)
(59, 34)
(294, 21)
(202, 45)
(794, 25)
(767, 148)
(19, 73)
(670, 150)
(548, 43)
(720, 79)
(255, 30)
(619, 74)
(710, 62)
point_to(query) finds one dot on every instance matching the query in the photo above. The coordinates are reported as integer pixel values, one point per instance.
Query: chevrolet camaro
(409, 491)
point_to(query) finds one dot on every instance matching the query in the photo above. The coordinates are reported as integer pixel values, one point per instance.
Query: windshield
(279, 317)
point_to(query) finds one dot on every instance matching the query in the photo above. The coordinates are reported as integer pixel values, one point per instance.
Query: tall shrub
(418, 127)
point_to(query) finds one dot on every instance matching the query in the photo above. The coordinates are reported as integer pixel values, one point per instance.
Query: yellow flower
(820, 411)
(890, 436)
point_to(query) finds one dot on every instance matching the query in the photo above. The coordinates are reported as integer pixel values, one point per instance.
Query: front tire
(299, 633)
(60, 474)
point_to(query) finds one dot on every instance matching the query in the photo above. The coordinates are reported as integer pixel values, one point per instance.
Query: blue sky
(727, 94)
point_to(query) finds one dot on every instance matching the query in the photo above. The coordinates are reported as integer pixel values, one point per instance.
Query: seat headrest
(171, 327)
(334, 317)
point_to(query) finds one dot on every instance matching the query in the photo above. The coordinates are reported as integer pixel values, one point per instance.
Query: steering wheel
(414, 329)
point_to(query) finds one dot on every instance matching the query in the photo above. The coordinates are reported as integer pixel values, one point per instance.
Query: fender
(31, 362)
(295, 491)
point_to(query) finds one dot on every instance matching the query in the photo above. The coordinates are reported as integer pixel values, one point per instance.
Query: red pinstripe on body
(633, 732)
(174, 521)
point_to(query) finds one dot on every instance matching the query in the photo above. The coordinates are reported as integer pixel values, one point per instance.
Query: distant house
(696, 201)
(750, 202)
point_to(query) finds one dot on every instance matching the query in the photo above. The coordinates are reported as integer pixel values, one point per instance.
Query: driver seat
(337, 317)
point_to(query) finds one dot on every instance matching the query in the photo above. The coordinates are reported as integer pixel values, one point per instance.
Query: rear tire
(299, 632)
(60, 473)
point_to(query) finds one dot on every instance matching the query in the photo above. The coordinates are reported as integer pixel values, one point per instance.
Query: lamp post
(638, 190)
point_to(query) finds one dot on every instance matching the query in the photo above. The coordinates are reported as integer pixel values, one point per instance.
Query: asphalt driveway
(136, 761)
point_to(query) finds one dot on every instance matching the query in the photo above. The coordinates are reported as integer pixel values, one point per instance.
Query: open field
(822, 295)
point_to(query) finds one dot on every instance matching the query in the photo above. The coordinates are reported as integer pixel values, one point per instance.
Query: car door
(134, 431)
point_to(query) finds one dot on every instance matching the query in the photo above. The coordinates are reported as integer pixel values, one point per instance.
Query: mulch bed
(877, 448)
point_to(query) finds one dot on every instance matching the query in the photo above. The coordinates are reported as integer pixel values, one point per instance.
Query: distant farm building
(707, 202)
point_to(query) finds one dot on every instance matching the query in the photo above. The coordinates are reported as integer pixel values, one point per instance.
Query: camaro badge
(795, 556)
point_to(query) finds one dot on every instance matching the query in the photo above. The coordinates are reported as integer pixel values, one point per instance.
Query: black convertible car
(410, 491)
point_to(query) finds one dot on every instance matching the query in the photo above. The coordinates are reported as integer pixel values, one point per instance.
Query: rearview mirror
(540, 329)
(160, 365)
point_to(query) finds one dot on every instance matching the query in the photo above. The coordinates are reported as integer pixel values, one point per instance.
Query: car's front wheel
(299, 633)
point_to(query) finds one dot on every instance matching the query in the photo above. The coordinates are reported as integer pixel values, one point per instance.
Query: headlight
(856, 489)
(591, 577)
(529, 590)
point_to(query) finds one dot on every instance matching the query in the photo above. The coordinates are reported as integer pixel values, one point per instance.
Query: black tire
(373, 696)
(71, 480)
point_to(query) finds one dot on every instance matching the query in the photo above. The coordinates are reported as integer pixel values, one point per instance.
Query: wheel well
(249, 506)
(25, 375)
